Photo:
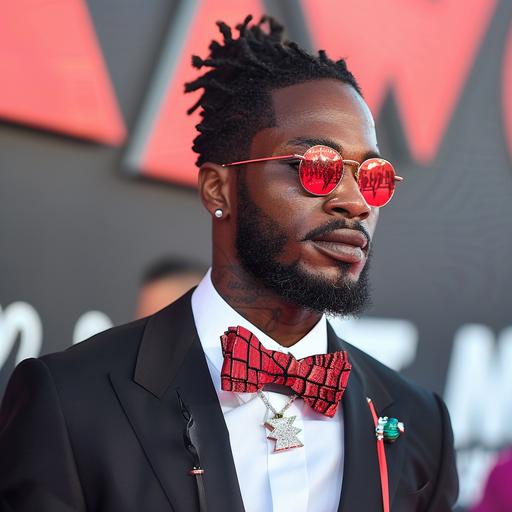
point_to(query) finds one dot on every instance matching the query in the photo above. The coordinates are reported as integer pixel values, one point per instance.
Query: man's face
(311, 250)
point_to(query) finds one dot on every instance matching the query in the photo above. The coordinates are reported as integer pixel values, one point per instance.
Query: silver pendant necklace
(281, 427)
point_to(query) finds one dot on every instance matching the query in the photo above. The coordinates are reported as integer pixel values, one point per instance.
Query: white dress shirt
(306, 479)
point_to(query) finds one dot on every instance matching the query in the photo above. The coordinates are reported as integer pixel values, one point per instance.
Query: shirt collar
(213, 315)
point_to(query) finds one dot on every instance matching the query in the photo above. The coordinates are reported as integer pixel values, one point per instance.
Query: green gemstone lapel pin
(389, 429)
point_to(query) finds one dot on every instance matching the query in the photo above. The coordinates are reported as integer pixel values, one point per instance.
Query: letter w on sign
(421, 50)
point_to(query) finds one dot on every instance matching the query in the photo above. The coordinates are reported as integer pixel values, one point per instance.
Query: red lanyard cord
(383, 465)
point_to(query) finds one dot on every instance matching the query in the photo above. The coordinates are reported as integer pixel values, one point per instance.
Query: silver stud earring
(218, 213)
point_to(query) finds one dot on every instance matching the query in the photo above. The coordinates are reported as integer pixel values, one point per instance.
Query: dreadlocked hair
(235, 102)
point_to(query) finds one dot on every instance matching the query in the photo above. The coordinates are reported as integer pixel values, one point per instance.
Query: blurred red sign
(52, 71)
(54, 76)
(421, 51)
(163, 137)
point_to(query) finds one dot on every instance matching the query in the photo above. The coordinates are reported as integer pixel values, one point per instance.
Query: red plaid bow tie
(320, 380)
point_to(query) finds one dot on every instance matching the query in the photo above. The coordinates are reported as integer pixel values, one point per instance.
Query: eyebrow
(312, 141)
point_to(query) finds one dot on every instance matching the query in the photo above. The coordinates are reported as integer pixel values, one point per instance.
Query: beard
(260, 241)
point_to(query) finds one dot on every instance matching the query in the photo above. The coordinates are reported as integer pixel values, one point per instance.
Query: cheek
(280, 196)
(372, 220)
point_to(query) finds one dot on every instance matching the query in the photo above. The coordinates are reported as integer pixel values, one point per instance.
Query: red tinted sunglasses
(321, 169)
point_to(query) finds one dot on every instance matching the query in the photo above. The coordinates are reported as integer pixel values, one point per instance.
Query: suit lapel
(171, 360)
(209, 434)
(361, 477)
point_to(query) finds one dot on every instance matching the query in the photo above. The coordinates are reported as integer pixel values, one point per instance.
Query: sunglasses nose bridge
(347, 196)
(354, 167)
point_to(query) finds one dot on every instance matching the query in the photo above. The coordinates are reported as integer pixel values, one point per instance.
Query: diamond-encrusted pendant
(283, 432)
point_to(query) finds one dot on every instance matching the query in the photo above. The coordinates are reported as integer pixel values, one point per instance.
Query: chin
(337, 274)
(353, 272)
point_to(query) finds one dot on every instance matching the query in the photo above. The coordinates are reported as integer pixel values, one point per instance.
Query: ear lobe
(214, 188)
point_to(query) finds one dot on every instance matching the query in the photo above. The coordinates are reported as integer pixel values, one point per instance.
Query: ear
(214, 188)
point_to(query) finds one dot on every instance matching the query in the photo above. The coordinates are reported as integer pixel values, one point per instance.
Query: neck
(282, 321)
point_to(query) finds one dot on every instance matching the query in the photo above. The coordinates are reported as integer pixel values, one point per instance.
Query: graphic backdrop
(96, 178)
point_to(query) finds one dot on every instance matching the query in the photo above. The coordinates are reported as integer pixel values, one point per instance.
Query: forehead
(320, 109)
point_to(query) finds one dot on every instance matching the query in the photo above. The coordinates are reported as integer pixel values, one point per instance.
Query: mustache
(338, 224)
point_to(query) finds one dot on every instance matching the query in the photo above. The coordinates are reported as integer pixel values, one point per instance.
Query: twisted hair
(236, 102)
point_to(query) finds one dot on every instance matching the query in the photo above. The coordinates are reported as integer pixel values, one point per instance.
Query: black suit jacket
(99, 428)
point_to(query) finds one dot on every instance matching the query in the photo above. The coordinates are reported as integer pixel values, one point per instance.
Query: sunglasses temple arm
(266, 159)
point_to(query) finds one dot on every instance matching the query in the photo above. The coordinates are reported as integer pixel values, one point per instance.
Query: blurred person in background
(239, 396)
(497, 495)
(164, 281)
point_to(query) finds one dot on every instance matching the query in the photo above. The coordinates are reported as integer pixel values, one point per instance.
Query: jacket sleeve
(446, 488)
(37, 466)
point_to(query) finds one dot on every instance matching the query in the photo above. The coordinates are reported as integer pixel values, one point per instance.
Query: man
(151, 416)
(166, 280)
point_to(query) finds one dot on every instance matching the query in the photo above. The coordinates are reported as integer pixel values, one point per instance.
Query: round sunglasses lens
(320, 170)
(376, 181)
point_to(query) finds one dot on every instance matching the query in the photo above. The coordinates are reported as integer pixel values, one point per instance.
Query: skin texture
(319, 110)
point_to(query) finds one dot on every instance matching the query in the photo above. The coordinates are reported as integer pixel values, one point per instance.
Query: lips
(347, 245)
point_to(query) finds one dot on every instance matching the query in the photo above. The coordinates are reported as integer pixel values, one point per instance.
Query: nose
(346, 198)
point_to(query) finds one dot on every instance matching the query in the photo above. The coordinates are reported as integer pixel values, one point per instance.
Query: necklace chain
(270, 407)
